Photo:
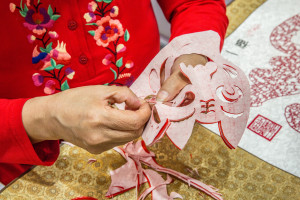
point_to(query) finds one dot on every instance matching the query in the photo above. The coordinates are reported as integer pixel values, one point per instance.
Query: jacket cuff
(19, 148)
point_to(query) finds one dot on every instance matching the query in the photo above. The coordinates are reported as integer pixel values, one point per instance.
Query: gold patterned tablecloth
(238, 11)
(238, 174)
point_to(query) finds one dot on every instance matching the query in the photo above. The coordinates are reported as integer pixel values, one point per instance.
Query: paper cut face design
(218, 93)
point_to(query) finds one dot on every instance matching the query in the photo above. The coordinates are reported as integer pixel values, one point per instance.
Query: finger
(128, 119)
(124, 94)
(172, 86)
(123, 137)
(113, 139)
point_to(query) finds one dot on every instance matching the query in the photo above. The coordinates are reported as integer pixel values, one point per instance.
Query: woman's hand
(174, 84)
(85, 117)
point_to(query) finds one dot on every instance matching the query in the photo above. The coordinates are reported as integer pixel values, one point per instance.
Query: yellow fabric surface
(238, 174)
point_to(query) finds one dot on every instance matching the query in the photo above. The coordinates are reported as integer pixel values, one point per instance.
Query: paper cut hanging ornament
(219, 93)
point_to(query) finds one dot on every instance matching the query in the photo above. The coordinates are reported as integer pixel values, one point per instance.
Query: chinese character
(206, 105)
(241, 43)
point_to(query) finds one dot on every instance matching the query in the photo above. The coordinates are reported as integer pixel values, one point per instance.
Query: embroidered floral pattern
(51, 62)
(109, 34)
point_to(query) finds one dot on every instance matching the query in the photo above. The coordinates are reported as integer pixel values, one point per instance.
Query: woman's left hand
(177, 81)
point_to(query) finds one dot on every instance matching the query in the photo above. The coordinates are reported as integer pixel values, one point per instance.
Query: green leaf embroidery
(92, 33)
(53, 63)
(50, 11)
(126, 36)
(106, 84)
(49, 68)
(55, 17)
(49, 47)
(25, 8)
(59, 66)
(21, 5)
(23, 13)
(119, 62)
(92, 24)
(99, 0)
(115, 73)
(43, 50)
(107, 1)
(65, 86)
(39, 1)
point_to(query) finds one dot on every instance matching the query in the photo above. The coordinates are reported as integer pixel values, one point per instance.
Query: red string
(84, 198)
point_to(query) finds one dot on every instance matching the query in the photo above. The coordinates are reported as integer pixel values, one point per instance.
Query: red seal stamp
(264, 127)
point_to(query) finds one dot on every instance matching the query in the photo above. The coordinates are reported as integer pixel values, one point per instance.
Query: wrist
(36, 116)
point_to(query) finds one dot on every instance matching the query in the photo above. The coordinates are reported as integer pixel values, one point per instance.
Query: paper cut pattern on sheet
(284, 78)
(219, 90)
(292, 115)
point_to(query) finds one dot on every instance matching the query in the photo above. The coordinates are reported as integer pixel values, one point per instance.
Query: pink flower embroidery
(48, 60)
(12, 7)
(49, 87)
(129, 64)
(114, 11)
(108, 31)
(92, 6)
(53, 34)
(37, 79)
(31, 38)
(89, 17)
(69, 72)
(108, 34)
(107, 59)
(121, 48)
(38, 21)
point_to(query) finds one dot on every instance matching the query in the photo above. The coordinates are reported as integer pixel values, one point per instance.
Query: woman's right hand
(84, 116)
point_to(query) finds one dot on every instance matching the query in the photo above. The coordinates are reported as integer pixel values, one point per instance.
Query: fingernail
(162, 95)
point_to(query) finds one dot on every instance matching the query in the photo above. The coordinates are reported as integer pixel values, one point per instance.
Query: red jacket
(52, 45)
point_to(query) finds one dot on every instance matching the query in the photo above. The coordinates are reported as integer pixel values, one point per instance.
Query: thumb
(172, 86)
(124, 94)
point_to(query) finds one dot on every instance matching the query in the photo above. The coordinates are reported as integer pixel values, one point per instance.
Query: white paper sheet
(250, 47)
(1, 186)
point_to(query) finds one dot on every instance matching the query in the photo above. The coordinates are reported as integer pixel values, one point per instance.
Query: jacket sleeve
(16, 147)
(189, 16)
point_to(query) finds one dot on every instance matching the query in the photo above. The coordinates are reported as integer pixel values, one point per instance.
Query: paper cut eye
(188, 99)
(230, 114)
(230, 71)
(229, 94)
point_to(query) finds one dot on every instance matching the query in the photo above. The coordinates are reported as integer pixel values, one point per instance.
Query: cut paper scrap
(132, 175)
(219, 90)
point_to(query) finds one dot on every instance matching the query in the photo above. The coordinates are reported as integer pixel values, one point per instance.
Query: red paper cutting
(220, 92)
